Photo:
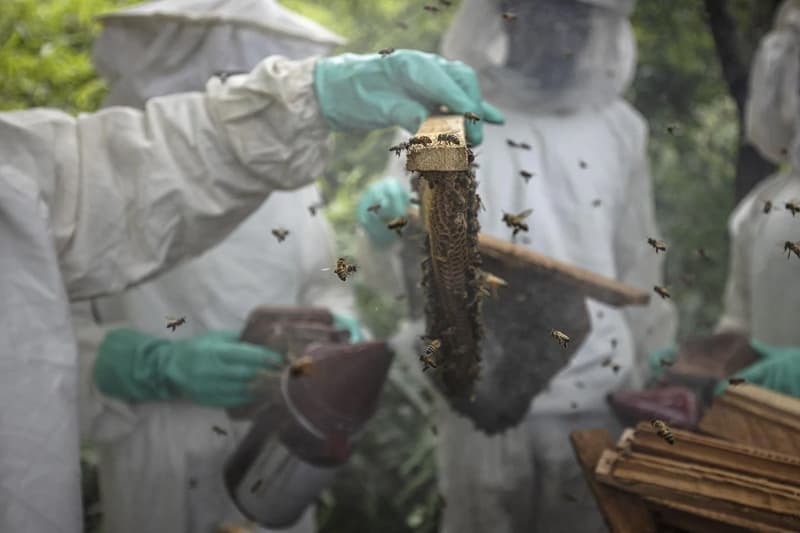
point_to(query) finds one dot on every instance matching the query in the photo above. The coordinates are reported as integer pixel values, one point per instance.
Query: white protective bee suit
(93, 204)
(160, 463)
(587, 144)
(762, 297)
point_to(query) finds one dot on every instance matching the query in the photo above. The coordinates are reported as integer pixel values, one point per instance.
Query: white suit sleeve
(131, 193)
(736, 301)
(655, 325)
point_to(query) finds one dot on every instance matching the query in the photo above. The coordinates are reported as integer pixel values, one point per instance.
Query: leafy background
(389, 486)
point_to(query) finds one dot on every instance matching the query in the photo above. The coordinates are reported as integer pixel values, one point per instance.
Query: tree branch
(729, 50)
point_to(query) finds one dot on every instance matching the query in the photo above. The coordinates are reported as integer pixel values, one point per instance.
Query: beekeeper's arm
(655, 325)
(130, 193)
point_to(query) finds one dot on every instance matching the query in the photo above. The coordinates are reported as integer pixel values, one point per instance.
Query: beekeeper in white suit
(168, 47)
(762, 297)
(94, 204)
(557, 73)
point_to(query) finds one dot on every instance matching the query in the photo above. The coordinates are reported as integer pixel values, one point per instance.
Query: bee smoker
(302, 429)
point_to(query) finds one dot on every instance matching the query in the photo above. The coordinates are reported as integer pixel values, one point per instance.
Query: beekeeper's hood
(773, 106)
(172, 46)
(566, 54)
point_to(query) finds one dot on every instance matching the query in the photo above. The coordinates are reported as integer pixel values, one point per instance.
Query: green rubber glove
(368, 92)
(350, 324)
(394, 201)
(213, 369)
(778, 370)
(668, 353)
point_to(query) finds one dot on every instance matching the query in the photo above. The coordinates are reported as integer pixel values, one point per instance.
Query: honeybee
(343, 269)
(511, 143)
(448, 138)
(526, 175)
(427, 362)
(582, 164)
(606, 362)
(173, 323)
(490, 283)
(613, 343)
(446, 3)
(596, 202)
(615, 368)
(255, 486)
(424, 140)
(508, 16)
(767, 206)
(560, 337)
(789, 247)
(736, 381)
(569, 497)
(432, 347)
(660, 246)
(673, 129)
(300, 366)
(664, 362)
(374, 208)
(313, 208)
(663, 430)
(704, 255)
(472, 117)
(218, 430)
(397, 148)
(480, 202)
(386, 51)
(516, 222)
(525, 146)
(397, 224)
(792, 207)
(280, 234)
(661, 291)
(432, 9)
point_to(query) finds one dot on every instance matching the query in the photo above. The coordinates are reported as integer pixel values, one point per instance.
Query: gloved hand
(778, 370)
(350, 324)
(213, 369)
(367, 92)
(668, 353)
(394, 201)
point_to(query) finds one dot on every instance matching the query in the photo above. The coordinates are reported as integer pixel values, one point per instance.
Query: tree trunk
(735, 56)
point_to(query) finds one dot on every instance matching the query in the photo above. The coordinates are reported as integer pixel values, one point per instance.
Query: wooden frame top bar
(439, 156)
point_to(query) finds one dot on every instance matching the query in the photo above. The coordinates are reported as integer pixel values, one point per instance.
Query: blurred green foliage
(390, 484)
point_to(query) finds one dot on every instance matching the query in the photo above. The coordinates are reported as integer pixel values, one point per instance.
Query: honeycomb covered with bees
(451, 277)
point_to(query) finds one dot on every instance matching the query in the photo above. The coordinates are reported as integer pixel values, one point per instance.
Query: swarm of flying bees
(661, 291)
(427, 356)
(560, 337)
(791, 248)
(659, 246)
(385, 51)
(397, 224)
(472, 117)
(526, 175)
(280, 234)
(663, 430)
(173, 323)
(448, 138)
(343, 269)
(517, 222)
